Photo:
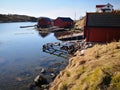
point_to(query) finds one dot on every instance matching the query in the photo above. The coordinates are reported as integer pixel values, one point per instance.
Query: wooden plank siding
(44, 22)
(102, 27)
(102, 34)
(64, 22)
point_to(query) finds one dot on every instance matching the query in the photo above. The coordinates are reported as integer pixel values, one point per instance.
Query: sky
(53, 8)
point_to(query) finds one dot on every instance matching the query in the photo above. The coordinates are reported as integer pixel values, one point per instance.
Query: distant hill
(16, 18)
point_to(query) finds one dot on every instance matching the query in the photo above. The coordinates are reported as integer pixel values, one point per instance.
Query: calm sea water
(21, 55)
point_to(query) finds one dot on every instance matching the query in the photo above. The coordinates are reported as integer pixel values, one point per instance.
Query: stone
(52, 75)
(43, 70)
(40, 80)
(82, 52)
(19, 79)
(31, 87)
(45, 87)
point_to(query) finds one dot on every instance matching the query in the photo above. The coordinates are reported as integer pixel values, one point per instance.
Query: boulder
(40, 80)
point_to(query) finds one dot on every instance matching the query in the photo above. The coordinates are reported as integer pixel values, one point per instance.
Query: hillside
(16, 18)
(80, 23)
(98, 69)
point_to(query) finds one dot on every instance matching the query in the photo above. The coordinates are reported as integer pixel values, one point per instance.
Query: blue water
(21, 55)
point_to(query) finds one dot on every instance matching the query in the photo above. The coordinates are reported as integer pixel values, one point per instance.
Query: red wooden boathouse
(44, 22)
(64, 22)
(102, 27)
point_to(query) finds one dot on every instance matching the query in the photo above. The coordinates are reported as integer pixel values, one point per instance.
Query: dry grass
(80, 23)
(98, 69)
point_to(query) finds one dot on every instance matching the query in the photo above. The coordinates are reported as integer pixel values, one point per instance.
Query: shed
(64, 22)
(44, 22)
(102, 27)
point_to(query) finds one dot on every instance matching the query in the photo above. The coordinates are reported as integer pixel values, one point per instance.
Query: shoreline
(97, 69)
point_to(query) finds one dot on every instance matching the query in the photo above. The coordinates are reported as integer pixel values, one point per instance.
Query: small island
(5, 18)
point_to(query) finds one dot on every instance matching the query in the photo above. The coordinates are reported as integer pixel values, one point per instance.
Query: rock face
(97, 69)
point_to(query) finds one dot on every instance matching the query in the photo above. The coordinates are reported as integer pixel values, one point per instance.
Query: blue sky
(52, 8)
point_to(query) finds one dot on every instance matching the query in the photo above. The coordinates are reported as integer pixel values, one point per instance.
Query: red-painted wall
(58, 22)
(44, 22)
(93, 34)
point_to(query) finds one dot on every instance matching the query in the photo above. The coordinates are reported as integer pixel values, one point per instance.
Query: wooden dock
(62, 49)
(54, 48)
(27, 26)
(75, 36)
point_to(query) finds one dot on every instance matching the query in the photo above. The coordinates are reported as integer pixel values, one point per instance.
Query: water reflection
(44, 34)
(21, 56)
(57, 34)
(64, 33)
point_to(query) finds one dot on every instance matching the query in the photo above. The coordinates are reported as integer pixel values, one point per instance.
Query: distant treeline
(16, 18)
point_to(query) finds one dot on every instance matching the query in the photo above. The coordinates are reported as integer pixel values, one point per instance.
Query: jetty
(63, 49)
(27, 26)
(74, 36)
(55, 49)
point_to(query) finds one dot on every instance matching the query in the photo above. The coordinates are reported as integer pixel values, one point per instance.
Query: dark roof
(45, 18)
(103, 20)
(98, 6)
(110, 4)
(66, 19)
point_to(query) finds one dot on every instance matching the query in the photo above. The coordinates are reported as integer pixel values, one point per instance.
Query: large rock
(40, 80)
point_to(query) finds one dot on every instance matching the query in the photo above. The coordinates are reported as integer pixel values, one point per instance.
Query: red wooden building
(44, 22)
(102, 27)
(64, 22)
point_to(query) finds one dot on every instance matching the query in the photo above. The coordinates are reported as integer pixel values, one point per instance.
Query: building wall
(44, 23)
(105, 7)
(58, 22)
(63, 24)
(98, 10)
(102, 34)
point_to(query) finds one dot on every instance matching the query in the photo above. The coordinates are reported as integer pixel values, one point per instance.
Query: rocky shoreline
(47, 76)
(97, 69)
